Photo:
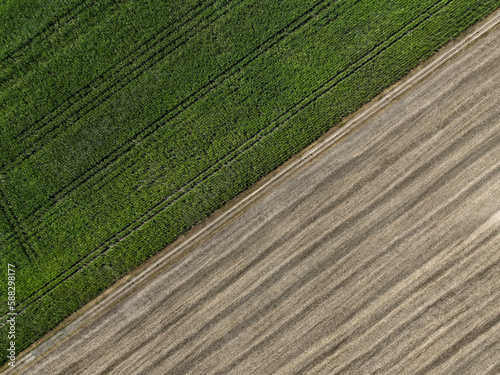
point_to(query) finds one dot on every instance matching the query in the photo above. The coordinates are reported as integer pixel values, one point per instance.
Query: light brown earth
(381, 255)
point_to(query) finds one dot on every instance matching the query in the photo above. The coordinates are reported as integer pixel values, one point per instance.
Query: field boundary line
(191, 99)
(317, 148)
(273, 124)
(228, 158)
(72, 270)
(159, 207)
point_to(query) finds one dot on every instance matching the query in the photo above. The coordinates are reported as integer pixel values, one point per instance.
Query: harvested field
(381, 255)
(126, 123)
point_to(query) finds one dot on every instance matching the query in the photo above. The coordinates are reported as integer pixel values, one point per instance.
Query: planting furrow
(119, 153)
(291, 112)
(109, 83)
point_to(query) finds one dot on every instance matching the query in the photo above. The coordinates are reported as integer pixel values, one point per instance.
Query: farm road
(381, 255)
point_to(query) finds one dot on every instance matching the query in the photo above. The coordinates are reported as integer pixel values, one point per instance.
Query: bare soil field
(380, 255)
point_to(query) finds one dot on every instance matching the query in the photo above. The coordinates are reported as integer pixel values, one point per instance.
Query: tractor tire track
(150, 57)
(151, 128)
(378, 254)
(50, 28)
(142, 136)
(170, 200)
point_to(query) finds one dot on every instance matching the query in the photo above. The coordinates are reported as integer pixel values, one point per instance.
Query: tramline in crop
(109, 167)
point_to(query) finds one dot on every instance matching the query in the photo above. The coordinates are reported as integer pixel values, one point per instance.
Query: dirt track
(382, 255)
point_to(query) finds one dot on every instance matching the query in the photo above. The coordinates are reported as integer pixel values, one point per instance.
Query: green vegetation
(124, 123)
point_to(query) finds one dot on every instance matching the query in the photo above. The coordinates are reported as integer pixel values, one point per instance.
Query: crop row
(292, 26)
(89, 126)
(119, 75)
(57, 196)
(38, 194)
(248, 143)
(83, 50)
(105, 85)
(73, 11)
(121, 151)
(300, 101)
(14, 228)
(37, 49)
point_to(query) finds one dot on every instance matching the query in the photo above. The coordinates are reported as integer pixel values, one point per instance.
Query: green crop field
(124, 123)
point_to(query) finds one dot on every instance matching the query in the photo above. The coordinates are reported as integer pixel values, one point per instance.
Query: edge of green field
(294, 125)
